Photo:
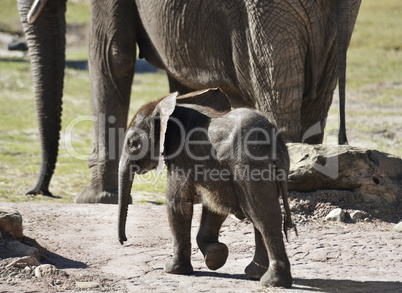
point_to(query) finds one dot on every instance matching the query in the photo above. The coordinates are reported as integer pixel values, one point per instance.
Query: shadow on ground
(55, 259)
(221, 275)
(325, 285)
(141, 66)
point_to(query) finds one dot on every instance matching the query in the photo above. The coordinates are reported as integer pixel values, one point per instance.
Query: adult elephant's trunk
(343, 20)
(125, 183)
(46, 43)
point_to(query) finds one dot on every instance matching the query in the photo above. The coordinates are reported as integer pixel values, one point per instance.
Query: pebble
(398, 227)
(45, 270)
(337, 215)
(87, 285)
(358, 215)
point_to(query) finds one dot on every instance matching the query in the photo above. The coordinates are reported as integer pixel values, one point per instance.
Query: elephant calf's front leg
(180, 213)
(215, 252)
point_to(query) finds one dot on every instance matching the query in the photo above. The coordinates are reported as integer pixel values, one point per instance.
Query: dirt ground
(81, 241)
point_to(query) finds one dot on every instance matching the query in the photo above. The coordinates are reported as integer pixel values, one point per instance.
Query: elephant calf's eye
(134, 144)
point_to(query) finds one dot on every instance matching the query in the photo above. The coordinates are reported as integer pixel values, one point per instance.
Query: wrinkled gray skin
(279, 57)
(204, 136)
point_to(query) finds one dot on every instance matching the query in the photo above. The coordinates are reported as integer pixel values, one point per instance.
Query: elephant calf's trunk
(125, 183)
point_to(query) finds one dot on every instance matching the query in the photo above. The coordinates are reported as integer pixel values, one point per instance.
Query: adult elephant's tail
(343, 23)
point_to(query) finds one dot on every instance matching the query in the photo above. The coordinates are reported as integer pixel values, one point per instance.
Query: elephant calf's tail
(287, 222)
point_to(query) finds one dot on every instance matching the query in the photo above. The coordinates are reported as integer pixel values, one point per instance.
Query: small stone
(13, 274)
(398, 227)
(45, 271)
(57, 282)
(358, 215)
(87, 285)
(337, 215)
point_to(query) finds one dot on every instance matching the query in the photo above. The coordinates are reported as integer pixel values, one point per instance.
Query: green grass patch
(378, 25)
(375, 52)
(77, 12)
(19, 140)
(9, 17)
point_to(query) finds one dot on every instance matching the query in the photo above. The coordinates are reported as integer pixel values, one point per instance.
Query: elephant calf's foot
(216, 255)
(256, 270)
(277, 277)
(92, 195)
(174, 267)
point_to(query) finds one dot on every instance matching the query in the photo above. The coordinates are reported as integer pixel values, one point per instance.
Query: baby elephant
(233, 162)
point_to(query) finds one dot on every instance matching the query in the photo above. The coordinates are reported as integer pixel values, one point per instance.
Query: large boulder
(11, 223)
(11, 235)
(374, 175)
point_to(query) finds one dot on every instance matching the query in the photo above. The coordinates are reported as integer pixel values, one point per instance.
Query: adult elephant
(279, 57)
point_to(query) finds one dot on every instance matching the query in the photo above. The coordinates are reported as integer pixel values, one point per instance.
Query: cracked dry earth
(81, 241)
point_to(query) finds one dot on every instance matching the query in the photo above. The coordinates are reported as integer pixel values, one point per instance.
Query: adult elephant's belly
(194, 45)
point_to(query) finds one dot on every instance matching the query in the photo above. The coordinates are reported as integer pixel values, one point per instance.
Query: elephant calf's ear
(212, 102)
(164, 108)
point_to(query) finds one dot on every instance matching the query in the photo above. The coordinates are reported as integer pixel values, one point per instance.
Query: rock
(358, 215)
(45, 270)
(87, 285)
(398, 227)
(375, 176)
(337, 215)
(11, 223)
(18, 45)
(14, 248)
(24, 262)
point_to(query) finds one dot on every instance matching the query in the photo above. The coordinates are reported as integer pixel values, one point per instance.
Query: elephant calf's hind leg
(259, 266)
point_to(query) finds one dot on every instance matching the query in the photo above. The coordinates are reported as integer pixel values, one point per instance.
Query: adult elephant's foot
(94, 195)
(256, 270)
(277, 276)
(176, 267)
(41, 187)
(34, 190)
(216, 255)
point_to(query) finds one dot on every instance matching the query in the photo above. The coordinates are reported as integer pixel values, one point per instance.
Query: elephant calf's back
(246, 136)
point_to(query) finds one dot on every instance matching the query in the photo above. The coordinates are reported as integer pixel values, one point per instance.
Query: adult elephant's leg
(314, 117)
(279, 81)
(215, 252)
(112, 56)
(46, 42)
(258, 267)
(314, 111)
